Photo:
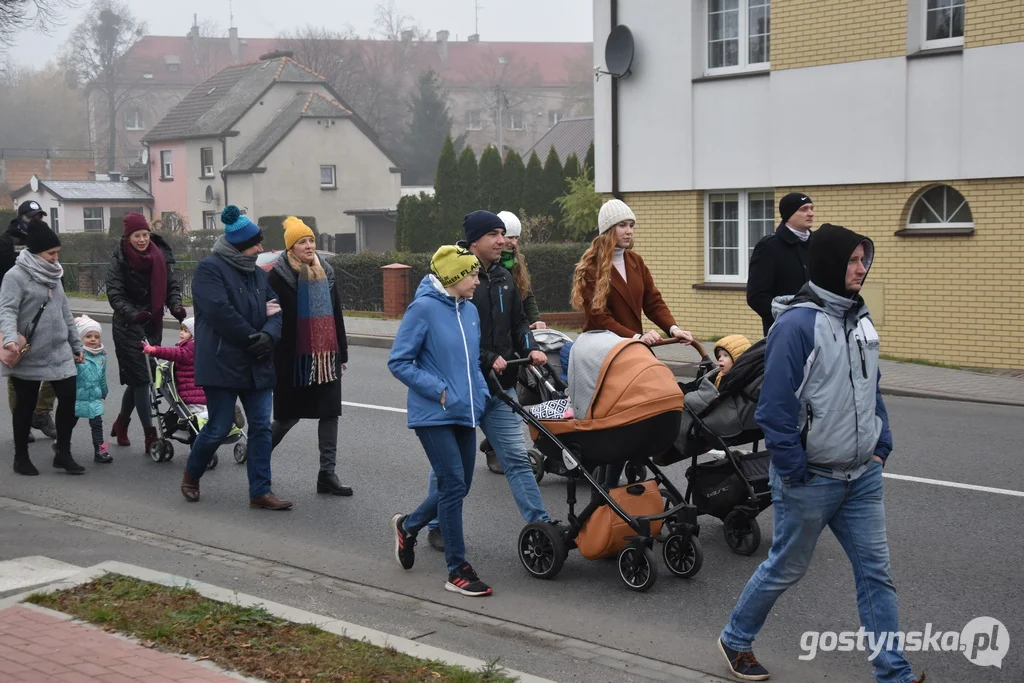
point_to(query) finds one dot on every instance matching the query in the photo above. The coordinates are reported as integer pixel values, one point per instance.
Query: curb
(292, 614)
(683, 370)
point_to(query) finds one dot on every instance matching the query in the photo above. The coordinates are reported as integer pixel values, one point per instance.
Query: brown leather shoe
(270, 502)
(190, 488)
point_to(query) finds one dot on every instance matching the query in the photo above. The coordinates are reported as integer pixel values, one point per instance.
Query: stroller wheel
(637, 568)
(683, 558)
(161, 451)
(213, 462)
(542, 550)
(635, 473)
(536, 463)
(241, 452)
(742, 533)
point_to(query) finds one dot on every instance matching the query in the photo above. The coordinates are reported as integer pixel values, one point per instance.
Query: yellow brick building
(893, 115)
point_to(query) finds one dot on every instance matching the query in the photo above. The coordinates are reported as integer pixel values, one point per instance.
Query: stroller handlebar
(697, 346)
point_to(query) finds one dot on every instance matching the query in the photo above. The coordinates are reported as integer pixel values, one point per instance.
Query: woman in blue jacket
(437, 355)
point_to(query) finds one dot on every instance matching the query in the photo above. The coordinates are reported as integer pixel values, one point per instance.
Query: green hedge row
(273, 230)
(94, 247)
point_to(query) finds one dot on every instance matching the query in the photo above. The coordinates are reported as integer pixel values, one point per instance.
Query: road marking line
(955, 485)
(373, 407)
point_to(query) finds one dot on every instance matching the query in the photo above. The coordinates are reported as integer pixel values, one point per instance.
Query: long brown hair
(521, 275)
(595, 263)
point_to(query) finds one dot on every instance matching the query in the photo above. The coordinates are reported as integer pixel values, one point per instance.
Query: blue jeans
(452, 454)
(220, 404)
(504, 429)
(855, 513)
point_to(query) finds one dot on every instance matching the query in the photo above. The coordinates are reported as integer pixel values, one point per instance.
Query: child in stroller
(174, 382)
(719, 414)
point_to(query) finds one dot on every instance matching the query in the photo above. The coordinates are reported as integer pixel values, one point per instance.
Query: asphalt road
(956, 554)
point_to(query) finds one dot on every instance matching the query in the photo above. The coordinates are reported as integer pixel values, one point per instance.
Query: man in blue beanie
(504, 334)
(238, 322)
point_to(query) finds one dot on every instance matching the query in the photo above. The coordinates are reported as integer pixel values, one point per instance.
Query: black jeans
(26, 392)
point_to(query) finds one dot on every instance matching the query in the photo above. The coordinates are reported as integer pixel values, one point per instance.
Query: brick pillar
(396, 289)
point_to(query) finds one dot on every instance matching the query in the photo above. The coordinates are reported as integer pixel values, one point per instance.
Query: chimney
(475, 38)
(193, 32)
(442, 46)
(407, 35)
(234, 46)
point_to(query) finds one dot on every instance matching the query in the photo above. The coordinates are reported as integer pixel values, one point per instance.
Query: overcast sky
(520, 20)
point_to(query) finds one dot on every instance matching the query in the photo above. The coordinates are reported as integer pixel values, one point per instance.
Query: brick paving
(39, 647)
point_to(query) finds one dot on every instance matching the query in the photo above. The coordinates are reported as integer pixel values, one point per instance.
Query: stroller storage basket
(604, 534)
(718, 488)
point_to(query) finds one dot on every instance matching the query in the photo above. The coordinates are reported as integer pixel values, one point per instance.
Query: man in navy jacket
(238, 322)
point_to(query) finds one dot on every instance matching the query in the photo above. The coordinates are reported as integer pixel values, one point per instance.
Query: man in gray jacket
(827, 430)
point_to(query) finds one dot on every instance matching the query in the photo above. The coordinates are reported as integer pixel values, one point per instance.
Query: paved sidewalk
(898, 379)
(40, 645)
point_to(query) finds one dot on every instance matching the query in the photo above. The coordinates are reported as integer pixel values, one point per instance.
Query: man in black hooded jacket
(11, 242)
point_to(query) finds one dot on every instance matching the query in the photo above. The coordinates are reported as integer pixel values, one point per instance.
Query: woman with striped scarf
(313, 351)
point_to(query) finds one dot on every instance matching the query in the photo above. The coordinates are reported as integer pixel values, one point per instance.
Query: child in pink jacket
(183, 355)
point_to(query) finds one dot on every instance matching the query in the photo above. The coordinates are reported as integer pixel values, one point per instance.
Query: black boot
(328, 482)
(101, 454)
(44, 423)
(24, 466)
(62, 460)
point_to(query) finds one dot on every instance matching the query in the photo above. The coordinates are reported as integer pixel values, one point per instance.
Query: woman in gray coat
(40, 343)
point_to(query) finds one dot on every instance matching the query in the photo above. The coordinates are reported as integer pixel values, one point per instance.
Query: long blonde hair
(520, 275)
(595, 263)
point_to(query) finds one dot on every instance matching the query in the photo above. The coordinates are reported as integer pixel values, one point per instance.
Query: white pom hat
(190, 325)
(513, 228)
(612, 213)
(86, 324)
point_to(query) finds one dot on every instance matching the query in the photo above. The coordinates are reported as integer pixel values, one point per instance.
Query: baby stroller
(180, 418)
(537, 384)
(734, 488)
(631, 413)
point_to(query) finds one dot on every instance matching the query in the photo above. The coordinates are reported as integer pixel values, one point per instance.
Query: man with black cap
(778, 266)
(504, 335)
(11, 242)
(827, 431)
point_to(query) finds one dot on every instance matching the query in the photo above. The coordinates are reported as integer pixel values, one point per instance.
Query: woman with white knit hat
(613, 286)
(512, 260)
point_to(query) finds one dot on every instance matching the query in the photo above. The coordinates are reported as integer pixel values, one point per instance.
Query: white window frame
(743, 65)
(86, 220)
(743, 242)
(515, 115)
(138, 122)
(940, 43)
(207, 169)
(334, 176)
(943, 222)
(209, 220)
(554, 117)
(474, 121)
(55, 218)
(166, 165)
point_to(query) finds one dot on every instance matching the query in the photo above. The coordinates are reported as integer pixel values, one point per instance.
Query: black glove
(261, 345)
(179, 313)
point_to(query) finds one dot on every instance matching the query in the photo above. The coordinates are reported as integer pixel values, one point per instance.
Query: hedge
(94, 247)
(273, 230)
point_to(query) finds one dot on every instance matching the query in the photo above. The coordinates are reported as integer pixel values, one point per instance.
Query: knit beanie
(734, 345)
(241, 232)
(39, 237)
(133, 222)
(513, 228)
(451, 263)
(478, 223)
(613, 212)
(791, 203)
(86, 324)
(829, 256)
(190, 325)
(295, 230)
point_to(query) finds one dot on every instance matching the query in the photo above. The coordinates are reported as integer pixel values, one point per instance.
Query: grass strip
(249, 640)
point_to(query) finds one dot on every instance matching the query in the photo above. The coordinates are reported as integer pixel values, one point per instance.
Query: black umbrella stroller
(733, 488)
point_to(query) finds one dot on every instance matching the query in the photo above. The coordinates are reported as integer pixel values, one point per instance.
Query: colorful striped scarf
(316, 338)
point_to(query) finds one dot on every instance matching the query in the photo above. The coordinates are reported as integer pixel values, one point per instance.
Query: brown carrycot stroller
(632, 414)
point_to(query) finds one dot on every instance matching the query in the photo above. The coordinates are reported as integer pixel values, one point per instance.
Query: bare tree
(41, 111)
(36, 15)
(95, 54)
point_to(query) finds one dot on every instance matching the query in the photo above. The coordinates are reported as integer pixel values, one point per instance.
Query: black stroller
(735, 487)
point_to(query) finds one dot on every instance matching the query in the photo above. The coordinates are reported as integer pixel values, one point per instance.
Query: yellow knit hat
(451, 263)
(295, 230)
(734, 345)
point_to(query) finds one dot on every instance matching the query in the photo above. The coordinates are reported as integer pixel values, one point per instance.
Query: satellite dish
(145, 155)
(618, 51)
(33, 183)
(209, 194)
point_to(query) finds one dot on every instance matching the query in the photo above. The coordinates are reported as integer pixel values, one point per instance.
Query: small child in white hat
(92, 385)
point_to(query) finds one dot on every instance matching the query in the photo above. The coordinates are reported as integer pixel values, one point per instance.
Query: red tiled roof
(468, 63)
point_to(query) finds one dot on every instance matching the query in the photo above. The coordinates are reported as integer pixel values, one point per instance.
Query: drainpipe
(224, 161)
(615, 113)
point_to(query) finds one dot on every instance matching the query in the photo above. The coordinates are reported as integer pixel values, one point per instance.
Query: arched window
(940, 206)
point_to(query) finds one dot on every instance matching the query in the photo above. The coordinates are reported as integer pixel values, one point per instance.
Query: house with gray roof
(85, 205)
(274, 139)
(568, 136)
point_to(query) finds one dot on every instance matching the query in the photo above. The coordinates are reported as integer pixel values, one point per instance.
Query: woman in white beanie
(513, 261)
(612, 285)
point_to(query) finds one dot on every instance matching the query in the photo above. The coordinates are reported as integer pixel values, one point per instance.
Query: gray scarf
(228, 252)
(39, 269)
